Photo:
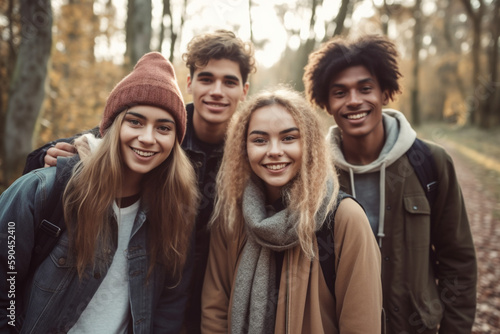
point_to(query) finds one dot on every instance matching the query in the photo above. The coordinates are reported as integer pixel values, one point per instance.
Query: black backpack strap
(326, 245)
(423, 164)
(52, 218)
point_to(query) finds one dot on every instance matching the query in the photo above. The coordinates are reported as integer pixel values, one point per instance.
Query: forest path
(483, 210)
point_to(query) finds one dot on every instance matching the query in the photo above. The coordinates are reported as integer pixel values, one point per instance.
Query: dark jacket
(429, 270)
(52, 299)
(206, 160)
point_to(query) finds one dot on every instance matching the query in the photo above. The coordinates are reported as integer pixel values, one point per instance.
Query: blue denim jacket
(52, 299)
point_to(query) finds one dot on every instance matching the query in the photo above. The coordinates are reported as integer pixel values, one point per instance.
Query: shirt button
(415, 207)
(61, 261)
(396, 309)
(388, 207)
(386, 258)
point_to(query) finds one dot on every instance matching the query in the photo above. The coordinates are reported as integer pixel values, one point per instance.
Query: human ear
(189, 90)
(385, 97)
(246, 87)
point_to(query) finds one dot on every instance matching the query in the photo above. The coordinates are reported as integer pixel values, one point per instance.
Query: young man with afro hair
(428, 257)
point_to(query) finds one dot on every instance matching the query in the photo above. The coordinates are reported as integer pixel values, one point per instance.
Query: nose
(147, 136)
(216, 88)
(354, 99)
(275, 149)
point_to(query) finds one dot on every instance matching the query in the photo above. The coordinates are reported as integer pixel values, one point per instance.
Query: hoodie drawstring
(351, 176)
(381, 215)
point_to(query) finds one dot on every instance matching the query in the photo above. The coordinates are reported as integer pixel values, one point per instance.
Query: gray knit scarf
(255, 295)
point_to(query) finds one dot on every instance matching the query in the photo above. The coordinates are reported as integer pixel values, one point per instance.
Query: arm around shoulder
(36, 159)
(46, 155)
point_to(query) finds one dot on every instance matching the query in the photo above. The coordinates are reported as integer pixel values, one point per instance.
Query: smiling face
(355, 100)
(274, 148)
(147, 136)
(217, 89)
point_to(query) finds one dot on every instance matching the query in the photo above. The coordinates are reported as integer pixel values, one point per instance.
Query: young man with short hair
(219, 65)
(429, 264)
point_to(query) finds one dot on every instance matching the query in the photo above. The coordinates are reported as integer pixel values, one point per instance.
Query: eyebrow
(141, 116)
(258, 132)
(210, 74)
(362, 81)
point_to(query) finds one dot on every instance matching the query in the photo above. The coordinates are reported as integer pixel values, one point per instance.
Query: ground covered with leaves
(477, 161)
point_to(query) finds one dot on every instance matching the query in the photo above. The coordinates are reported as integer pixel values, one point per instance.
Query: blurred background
(60, 59)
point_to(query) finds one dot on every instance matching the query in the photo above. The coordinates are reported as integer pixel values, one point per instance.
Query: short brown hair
(376, 53)
(220, 44)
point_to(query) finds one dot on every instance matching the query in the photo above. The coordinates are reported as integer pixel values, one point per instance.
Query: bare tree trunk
(385, 19)
(7, 63)
(174, 34)
(476, 70)
(173, 37)
(166, 11)
(139, 29)
(250, 19)
(417, 46)
(448, 35)
(27, 88)
(304, 50)
(338, 21)
(341, 18)
(474, 102)
(183, 18)
(492, 87)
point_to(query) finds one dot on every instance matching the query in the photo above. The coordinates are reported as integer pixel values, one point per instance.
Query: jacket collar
(191, 142)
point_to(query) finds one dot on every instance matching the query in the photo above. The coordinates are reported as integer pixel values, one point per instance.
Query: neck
(131, 184)
(128, 201)
(272, 193)
(209, 132)
(363, 150)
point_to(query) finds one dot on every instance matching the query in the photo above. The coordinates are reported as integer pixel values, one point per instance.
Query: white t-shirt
(108, 310)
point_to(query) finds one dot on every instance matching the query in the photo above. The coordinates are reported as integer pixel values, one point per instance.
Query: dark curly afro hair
(376, 53)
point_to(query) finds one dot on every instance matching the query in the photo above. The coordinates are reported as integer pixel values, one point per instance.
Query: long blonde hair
(306, 192)
(169, 195)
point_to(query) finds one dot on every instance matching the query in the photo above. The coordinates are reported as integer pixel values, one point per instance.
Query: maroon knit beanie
(152, 83)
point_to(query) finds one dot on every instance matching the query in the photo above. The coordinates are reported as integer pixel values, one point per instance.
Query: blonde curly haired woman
(276, 188)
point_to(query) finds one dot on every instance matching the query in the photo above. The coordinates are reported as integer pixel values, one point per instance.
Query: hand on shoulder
(60, 149)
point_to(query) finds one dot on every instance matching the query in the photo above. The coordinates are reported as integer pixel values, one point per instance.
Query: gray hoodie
(368, 181)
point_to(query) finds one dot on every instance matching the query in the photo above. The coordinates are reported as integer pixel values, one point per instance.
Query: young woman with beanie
(122, 265)
(275, 189)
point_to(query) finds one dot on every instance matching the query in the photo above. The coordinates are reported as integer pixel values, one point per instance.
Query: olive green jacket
(429, 269)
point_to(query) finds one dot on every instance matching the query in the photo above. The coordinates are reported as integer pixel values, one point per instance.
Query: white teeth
(357, 116)
(216, 105)
(276, 167)
(143, 154)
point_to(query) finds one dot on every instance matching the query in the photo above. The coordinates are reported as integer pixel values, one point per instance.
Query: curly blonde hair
(304, 194)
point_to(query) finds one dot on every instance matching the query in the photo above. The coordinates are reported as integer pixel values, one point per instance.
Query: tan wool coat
(305, 304)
